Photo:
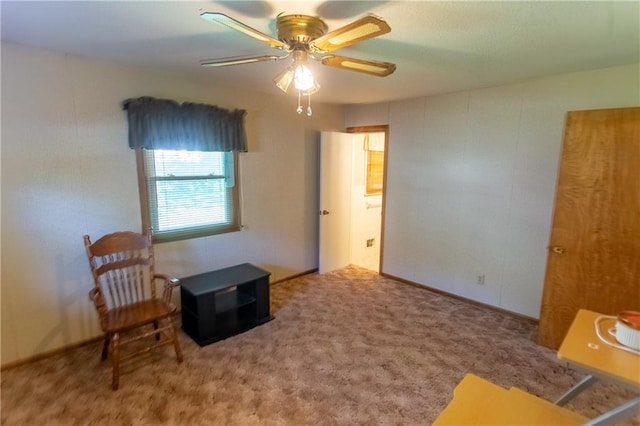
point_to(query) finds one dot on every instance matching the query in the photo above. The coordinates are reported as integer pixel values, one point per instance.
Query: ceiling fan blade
(355, 32)
(223, 19)
(380, 69)
(237, 60)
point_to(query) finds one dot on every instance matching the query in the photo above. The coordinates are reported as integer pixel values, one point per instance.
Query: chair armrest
(169, 280)
(169, 284)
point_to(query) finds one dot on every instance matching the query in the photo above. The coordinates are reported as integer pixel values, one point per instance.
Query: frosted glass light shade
(284, 79)
(311, 90)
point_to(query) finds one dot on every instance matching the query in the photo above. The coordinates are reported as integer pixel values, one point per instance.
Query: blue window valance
(166, 124)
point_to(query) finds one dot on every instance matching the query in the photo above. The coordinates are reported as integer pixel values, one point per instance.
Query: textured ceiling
(438, 47)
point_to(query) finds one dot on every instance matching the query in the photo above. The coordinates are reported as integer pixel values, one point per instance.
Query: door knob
(323, 212)
(557, 249)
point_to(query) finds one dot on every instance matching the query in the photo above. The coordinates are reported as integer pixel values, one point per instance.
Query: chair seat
(136, 315)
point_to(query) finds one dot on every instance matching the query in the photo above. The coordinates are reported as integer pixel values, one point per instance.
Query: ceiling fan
(301, 37)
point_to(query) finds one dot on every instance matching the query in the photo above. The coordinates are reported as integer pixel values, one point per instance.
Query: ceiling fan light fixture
(303, 78)
(284, 79)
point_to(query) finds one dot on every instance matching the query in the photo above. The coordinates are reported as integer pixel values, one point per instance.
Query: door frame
(382, 128)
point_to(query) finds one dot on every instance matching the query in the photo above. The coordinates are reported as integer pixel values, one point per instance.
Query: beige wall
(67, 171)
(471, 180)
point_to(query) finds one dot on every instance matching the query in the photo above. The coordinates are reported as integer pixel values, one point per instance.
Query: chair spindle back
(122, 265)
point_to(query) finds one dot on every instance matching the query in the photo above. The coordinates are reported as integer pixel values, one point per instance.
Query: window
(374, 147)
(187, 157)
(188, 194)
(375, 172)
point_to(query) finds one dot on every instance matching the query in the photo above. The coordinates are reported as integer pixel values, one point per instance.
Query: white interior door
(335, 201)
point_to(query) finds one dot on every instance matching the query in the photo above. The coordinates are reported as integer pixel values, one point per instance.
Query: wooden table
(586, 352)
(479, 402)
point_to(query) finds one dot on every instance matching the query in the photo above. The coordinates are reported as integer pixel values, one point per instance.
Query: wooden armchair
(126, 299)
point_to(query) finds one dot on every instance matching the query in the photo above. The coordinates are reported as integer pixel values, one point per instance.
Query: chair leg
(105, 347)
(115, 360)
(176, 343)
(155, 327)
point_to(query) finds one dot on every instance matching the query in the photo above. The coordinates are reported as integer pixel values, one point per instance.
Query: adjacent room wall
(471, 181)
(366, 212)
(67, 171)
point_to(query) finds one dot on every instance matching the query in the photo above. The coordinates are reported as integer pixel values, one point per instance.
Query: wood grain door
(594, 250)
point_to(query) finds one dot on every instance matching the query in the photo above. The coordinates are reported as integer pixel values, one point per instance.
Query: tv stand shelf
(222, 303)
(232, 300)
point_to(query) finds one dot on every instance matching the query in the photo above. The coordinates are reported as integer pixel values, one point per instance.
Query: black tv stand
(223, 303)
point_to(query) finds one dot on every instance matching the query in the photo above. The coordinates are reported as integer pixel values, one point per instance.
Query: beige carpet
(346, 348)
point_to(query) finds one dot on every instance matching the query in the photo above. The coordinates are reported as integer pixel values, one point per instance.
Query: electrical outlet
(370, 242)
(480, 280)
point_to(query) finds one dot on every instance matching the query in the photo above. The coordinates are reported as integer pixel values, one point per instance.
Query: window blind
(190, 193)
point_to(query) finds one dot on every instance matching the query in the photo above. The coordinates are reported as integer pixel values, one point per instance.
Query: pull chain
(309, 112)
(299, 110)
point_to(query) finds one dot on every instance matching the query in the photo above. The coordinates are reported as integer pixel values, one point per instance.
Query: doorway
(352, 178)
(367, 195)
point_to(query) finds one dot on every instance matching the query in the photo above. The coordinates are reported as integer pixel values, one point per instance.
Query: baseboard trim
(464, 299)
(66, 348)
(49, 354)
(301, 274)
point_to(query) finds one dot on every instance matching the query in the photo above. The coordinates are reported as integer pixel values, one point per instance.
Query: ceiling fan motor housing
(299, 29)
